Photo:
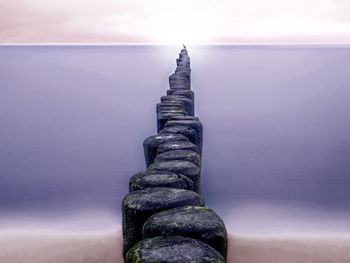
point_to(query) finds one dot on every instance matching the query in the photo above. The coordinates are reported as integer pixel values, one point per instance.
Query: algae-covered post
(164, 217)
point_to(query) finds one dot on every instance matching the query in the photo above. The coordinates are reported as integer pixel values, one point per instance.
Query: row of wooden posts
(164, 215)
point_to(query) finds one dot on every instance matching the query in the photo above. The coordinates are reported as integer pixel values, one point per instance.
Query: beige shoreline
(38, 247)
(307, 249)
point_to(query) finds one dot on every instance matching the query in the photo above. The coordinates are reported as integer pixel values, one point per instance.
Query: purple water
(276, 129)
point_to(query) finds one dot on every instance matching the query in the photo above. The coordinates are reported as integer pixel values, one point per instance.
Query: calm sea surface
(276, 131)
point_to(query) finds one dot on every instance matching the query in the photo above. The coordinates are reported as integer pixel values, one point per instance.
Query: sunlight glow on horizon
(166, 22)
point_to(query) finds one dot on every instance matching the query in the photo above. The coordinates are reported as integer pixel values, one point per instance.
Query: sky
(174, 22)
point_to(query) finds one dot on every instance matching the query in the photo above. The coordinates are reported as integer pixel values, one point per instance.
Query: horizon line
(173, 44)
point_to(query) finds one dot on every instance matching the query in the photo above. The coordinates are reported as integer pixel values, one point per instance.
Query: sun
(175, 25)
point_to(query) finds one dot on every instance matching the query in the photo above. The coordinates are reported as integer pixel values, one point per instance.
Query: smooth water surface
(276, 132)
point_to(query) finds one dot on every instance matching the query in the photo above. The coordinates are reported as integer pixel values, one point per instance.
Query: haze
(169, 22)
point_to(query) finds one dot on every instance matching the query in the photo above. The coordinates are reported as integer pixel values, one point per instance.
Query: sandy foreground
(106, 248)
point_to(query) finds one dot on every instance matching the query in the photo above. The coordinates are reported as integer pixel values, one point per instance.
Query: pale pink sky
(174, 22)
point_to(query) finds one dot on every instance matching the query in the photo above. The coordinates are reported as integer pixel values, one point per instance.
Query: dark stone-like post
(164, 218)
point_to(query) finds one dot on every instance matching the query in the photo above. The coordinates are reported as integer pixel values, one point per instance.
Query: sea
(276, 150)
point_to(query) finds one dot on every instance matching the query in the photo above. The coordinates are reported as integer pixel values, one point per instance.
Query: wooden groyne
(164, 215)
